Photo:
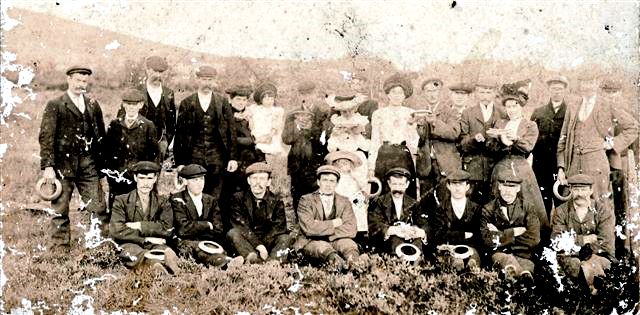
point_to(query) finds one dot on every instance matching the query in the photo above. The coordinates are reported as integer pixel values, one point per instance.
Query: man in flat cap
(439, 129)
(475, 122)
(142, 221)
(327, 222)
(588, 133)
(130, 138)
(510, 229)
(71, 145)
(259, 223)
(197, 218)
(456, 221)
(549, 119)
(366, 106)
(592, 224)
(459, 94)
(394, 217)
(206, 133)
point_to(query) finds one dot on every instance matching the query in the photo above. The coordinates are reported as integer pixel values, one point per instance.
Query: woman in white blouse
(267, 120)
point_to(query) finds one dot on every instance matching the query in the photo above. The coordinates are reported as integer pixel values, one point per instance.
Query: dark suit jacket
(544, 152)
(443, 135)
(522, 215)
(448, 229)
(382, 214)
(475, 159)
(156, 222)
(307, 150)
(189, 225)
(314, 224)
(184, 141)
(527, 133)
(245, 217)
(163, 116)
(128, 146)
(61, 135)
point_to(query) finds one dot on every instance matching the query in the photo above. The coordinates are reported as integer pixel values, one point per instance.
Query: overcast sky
(408, 33)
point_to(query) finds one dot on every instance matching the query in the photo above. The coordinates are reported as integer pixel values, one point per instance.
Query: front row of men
(445, 225)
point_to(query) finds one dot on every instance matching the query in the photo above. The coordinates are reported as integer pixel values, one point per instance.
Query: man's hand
(492, 227)
(394, 230)
(104, 184)
(262, 251)
(49, 175)
(430, 118)
(155, 240)
(591, 238)
(468, 235)
(517, 231)
(608, 144)
(336, 222)
(418, 233)
(179, 168)
(562, 178)
(134, 225)
(479, 137)
(162, 147)
(232, 166)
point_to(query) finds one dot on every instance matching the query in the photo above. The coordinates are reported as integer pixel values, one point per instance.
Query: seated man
(510, 228)
(259, 223)
(456, 222)
(394, 217)
(593, 224)
(197, 219)
(142, 221)
(327, 222)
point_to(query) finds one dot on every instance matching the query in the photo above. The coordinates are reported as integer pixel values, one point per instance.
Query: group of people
(465, 180)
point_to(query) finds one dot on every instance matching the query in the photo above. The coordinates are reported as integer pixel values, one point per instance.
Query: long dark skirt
(395, 155)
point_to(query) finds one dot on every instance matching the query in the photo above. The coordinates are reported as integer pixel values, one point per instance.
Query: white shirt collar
(458, 206)
(197, 201)
(397, 202)
(205, 100)
(77, 100)
(155, 92)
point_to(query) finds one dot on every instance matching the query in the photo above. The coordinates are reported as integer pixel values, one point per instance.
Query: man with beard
(71, 136)
(142, 221)
(510, 229)
(593, 223)
(549, 119)
(259, 230)
(206, 133)
(394, 217)
(459, 94)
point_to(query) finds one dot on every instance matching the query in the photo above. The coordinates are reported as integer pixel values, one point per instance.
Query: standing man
(475, 122)
(366, 106)
(71, 136)
(206, 133)
(459, 94)
(549, 119)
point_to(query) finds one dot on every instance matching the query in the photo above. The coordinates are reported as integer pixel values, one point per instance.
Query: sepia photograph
(319, 157)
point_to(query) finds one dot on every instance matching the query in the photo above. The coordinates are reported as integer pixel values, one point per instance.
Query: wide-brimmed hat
(48, 195)
(337, 155)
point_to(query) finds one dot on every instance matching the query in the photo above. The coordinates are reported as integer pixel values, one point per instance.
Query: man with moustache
(206, 133)
(549, 119)
(475, 122)
(593, 223)
(71, 135)
(459, 94)
(142, 221)
(259, 230)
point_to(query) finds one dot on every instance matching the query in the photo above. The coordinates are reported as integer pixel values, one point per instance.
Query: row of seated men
(504, 233)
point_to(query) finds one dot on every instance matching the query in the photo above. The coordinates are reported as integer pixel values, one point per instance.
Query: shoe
(472, 264)
(60, 249)
(235, 261)
(171, 261)
(252, 258)
(158, 269)
(526, 278)
(335, 261)
(510, 270)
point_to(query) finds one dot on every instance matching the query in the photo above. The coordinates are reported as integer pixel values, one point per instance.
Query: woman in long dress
(267, 120)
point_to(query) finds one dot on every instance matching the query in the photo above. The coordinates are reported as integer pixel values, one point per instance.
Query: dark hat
(337, 155)
(206, 71)
(610, 85)
(157, 63)
(432, 81)
(298, 112)
(461, 88)
(400, 80)
(508, 178)
(580, 180)
(259, 167)
(458, 176)
(192, 171)
(327, 169)
(398, 171)
(79, 69)
(558, 79)
(145, 167)
(520, 96)
(344, 98)
(263, 89)
(306, 87)
(239, 90)
(132, 96)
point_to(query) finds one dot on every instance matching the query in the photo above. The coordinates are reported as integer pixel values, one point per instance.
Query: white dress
(262, 123)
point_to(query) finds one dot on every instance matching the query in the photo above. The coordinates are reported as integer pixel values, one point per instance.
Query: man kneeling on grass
(327, 222)
(510, 228)
(259, 230)
(142, 221)
(593, 224)
(198, 221)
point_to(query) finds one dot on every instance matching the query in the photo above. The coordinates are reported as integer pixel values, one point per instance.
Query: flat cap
(458, 176)
(145, 167)
(432, 82)
(400, 80)
(580, 180)
(263, 89)
(306, 87)
(132, 96)
(259, 167)
(344, 98)
(328, 169)
(239, 90)
(398, 171)
(486, 82)
(558, 79)
(461, 88)
(337, 155)
(192, 171)
(299, 112)
(508, 178)
(206, 71)
(78, 69)
(610, 85)
(157, 63)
